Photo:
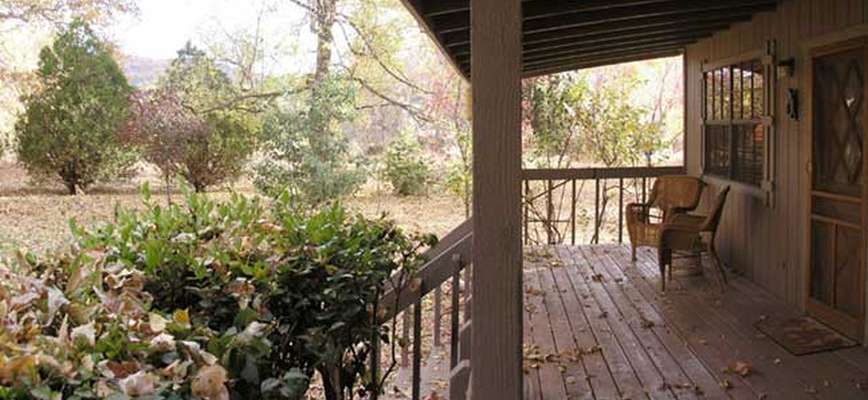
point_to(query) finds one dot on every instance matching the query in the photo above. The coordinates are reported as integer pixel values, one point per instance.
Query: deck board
(673, 345)
(608, 332)
(599, 376)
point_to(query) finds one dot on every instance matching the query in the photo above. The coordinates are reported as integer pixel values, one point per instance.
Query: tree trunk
(325, 15)
(70, 179)
(331, 381)
(324, 20)
(168, 181)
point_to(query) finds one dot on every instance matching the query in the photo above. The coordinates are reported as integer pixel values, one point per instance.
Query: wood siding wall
(766, 244)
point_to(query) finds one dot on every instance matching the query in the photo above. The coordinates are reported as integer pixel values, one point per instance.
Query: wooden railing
(555, 203)
(552, 201)
(446, 262)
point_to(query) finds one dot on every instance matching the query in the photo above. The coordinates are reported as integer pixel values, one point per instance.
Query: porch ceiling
(573, 34)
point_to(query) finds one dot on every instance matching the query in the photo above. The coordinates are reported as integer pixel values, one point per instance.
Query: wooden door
(836, 273)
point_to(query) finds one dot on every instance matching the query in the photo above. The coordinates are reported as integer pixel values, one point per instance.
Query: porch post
(496, 357)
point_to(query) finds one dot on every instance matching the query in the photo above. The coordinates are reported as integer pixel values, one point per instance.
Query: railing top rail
(450, 255)
(600, 173)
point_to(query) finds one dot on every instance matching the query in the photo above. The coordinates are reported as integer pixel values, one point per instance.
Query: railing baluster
(438, 293)
(597, 213)
(455, 323)
(621, 210)
(644, 190)
(573, 213)
(468, 276)
(405, 352)
(549, 211)
(527, 206)
(417, 350)
(375, 365)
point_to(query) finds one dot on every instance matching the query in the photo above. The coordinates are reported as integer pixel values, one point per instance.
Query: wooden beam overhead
(608, 51)
(534, 8)
(697, 19)
(553, 68)
(557, 32)
(684, 38)
(559, 15)
(595, 48)
(622, 37)
(545, 8)
(732, 15)
(637, 34)
(624, 15)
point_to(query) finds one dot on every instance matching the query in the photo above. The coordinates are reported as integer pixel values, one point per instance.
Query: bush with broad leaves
(204, 300)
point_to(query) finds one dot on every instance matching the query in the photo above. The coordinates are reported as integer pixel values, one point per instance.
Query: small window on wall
(736, 127)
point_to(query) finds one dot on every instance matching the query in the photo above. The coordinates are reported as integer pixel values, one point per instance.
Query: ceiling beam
(731, 15)
(533, 8)
(689, 37)
(553, 15)
(547, 8)
(597, 55)
(683, 37)
(635, 33)
(598, 62)
(624, 15)
(607, 51)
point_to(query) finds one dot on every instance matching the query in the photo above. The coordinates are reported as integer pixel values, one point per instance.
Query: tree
(222, 126)
(551, 116)
(58, 12)
(449, 108)
(28, 25)
(70, 125)
(592, 117)
(163, 129)
(306, 151)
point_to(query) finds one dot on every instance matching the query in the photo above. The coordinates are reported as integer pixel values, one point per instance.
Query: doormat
(803, 335)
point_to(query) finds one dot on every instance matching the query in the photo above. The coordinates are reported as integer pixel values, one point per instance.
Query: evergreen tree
(69, 127)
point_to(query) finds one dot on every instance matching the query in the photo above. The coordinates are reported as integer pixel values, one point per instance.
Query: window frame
(727, 118)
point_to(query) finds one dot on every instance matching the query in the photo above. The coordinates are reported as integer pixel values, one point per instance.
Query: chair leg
(718, 265)
(671, 268)
(634, 253)
(661, 260)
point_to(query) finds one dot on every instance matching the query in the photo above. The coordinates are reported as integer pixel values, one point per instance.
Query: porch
(596, 326)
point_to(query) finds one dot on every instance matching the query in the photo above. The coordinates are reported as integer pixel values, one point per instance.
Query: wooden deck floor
(597, 326)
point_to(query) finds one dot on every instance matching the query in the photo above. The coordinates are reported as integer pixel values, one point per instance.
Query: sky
(163, 26)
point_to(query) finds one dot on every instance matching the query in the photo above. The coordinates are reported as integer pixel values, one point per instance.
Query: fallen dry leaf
(742, 368)
(210, 383)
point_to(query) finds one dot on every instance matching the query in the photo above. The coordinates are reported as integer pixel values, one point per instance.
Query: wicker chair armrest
(638, 213)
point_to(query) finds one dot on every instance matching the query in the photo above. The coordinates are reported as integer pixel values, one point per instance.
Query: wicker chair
(670, 195)
(693, 235)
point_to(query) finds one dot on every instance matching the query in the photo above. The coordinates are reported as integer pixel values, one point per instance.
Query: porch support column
(496, 357)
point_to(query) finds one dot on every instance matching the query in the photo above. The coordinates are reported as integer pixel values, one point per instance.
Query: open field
(37, 217)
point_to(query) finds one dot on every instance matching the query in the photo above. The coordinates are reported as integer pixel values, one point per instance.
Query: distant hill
(142, 71)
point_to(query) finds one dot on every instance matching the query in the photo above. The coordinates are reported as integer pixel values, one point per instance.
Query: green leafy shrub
(203, 300)
(405, 168)
(70, 124)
